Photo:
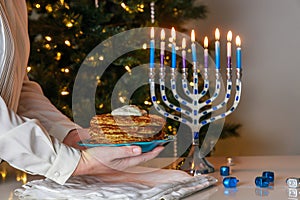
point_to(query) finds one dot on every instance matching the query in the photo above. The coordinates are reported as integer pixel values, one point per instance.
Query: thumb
(126, 151)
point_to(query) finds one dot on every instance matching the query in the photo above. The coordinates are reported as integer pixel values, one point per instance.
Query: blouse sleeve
(25, 145)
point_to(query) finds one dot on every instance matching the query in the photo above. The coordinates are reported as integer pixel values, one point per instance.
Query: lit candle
(217, 48)
(194, 53)
(162, 46)
(229, 38)
(183, 52)
(238, 52)
(152, 48)
(173, 34)
(206, 52)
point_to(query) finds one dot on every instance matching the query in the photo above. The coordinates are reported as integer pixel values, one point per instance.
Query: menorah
(194, 112)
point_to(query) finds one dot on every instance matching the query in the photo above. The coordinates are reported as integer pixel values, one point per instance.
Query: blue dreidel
(261, 181)
(230, 182)
(224, 171)
(269, 175)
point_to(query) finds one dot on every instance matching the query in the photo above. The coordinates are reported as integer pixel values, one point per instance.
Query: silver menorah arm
(231, 109)
(222, 104)
(170, 105)
(189, 95)
(213, 97)
(158, 107)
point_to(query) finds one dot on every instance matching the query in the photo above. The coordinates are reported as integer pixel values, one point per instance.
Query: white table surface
(245, 169)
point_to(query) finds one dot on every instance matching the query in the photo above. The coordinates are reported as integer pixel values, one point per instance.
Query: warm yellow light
(65, 70)
(123, 5)
(229, 36)
(173, 34)
(49, 8)
(192, 165)
(101, 106)
(122, 99)
(3, 174)
(193, 36)
(28, 69)
(152, 33)
(162, 34)
(128, 68)
(183, 43)
(217, 34)
(62, 2)
(48, 38)
(91, 58)
(147, 102)
(68, 43)
(64, 93)
(38, 5)
(238, 41)
(144, 46)
(205, 42)
(101, 58)
(47, 46)
(58, 56)
(69, 24)
(22, 177)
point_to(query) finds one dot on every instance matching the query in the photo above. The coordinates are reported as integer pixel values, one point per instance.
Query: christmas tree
(62, 33)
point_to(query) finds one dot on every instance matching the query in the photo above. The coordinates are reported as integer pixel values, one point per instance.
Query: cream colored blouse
(31, 128)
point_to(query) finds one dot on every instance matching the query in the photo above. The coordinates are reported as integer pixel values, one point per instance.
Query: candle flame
(183, 43)
(152, 33)
(229, 36)
(206, 42)
(193, 36)
(238, 41)
(173, 33)
(162, 34)
(217, 34)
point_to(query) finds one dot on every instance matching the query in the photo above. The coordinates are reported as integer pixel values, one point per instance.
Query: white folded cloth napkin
(153, 184)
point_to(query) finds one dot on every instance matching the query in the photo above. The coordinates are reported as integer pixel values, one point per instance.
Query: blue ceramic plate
(146, 146)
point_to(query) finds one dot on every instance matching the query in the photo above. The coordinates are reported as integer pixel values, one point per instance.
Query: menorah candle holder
(194, 113)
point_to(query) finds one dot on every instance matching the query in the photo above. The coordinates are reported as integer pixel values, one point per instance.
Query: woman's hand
(103, 160)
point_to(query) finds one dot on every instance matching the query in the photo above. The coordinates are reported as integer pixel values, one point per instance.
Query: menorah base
(194, 164)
